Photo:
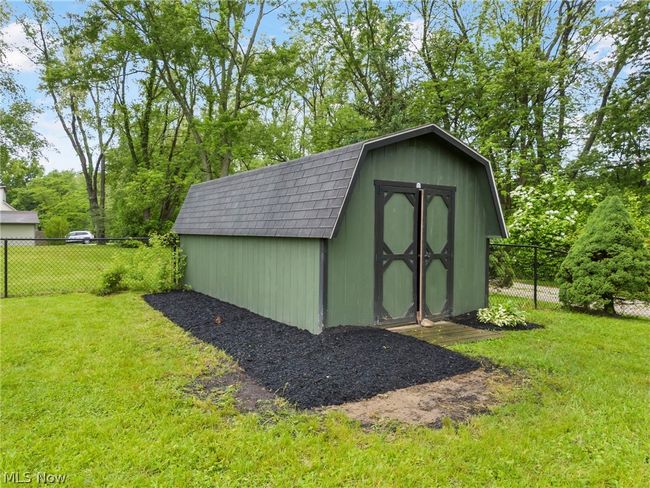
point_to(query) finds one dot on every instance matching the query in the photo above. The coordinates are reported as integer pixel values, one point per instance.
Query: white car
(83, 236)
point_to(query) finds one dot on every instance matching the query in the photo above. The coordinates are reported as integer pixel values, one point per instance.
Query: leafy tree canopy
(57, 195)
(154, 96)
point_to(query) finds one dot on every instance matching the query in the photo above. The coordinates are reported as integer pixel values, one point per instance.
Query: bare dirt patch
(249, 395)
(429, 404)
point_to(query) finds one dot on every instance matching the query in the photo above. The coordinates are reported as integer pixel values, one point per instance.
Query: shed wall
(275, 277)
(350, 292)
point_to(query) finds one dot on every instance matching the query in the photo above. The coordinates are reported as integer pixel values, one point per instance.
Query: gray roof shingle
(18, 217)
(300, 198)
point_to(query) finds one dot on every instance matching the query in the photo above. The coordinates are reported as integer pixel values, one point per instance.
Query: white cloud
(14, 36)
(602, 50)
(415, 26)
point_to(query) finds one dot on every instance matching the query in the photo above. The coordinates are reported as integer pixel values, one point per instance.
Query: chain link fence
(519, 273)
(51, 266)
(526, 276)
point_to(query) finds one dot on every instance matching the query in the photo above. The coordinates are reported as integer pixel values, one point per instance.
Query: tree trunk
(600, 115)
(96, 214)
(226, 159)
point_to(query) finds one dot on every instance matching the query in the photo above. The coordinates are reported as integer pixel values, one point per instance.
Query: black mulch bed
(470, 319)
(340, 365)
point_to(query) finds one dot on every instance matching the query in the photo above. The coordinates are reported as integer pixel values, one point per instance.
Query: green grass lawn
(92, 387)
(41, 270)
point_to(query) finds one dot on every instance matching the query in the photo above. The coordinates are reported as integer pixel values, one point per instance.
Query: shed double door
(413, 252)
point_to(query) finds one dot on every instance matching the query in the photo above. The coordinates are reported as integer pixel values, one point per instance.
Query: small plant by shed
(387, 231)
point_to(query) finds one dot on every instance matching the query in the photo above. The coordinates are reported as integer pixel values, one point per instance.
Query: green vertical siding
(350, 293)
(274, 277)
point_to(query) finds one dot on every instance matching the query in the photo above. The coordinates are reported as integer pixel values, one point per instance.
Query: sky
(60, 155)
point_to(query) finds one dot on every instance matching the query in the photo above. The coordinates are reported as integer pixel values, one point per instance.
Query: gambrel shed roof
(300, 198)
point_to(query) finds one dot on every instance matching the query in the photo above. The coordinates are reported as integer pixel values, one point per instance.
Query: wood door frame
(410, 191)
(420, 200)
(448, 194)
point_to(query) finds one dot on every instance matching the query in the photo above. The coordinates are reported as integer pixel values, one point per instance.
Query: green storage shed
(387, 231)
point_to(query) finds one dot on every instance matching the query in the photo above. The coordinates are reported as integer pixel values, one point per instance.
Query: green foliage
(344, 126)
(550, 213)
(113, 280)
(501, 269)
(58, 195)
(619, 128)
(502, 315)
(609, 260)
(143, 201)
(16, 173)
(160, 95)
(169, 239)
(150, 268)
(639, 208)
(20, 144)
(56, 227)
(130, 244)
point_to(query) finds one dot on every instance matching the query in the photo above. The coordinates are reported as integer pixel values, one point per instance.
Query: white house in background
(16, 224)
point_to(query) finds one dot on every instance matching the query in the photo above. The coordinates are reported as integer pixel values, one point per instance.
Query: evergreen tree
(608, 260)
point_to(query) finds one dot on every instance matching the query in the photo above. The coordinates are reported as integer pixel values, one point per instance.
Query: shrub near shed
(608, 260)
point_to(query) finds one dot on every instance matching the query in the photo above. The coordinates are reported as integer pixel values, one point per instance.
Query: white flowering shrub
(502, 315)
(550, 213)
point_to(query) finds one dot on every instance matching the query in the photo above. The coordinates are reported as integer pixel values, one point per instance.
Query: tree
(157, 95)
(445, 59)
(526, 57)
(153, 162)
(7, 81)
(57, 195)
(77, 76)
(56, 227)
(608, 261)
(209, 56)
(20, 145)
(629, 28)
(617, 150)
(364, 44)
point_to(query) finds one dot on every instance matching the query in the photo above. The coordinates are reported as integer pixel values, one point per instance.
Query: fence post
(6, 267)
(535, 276)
